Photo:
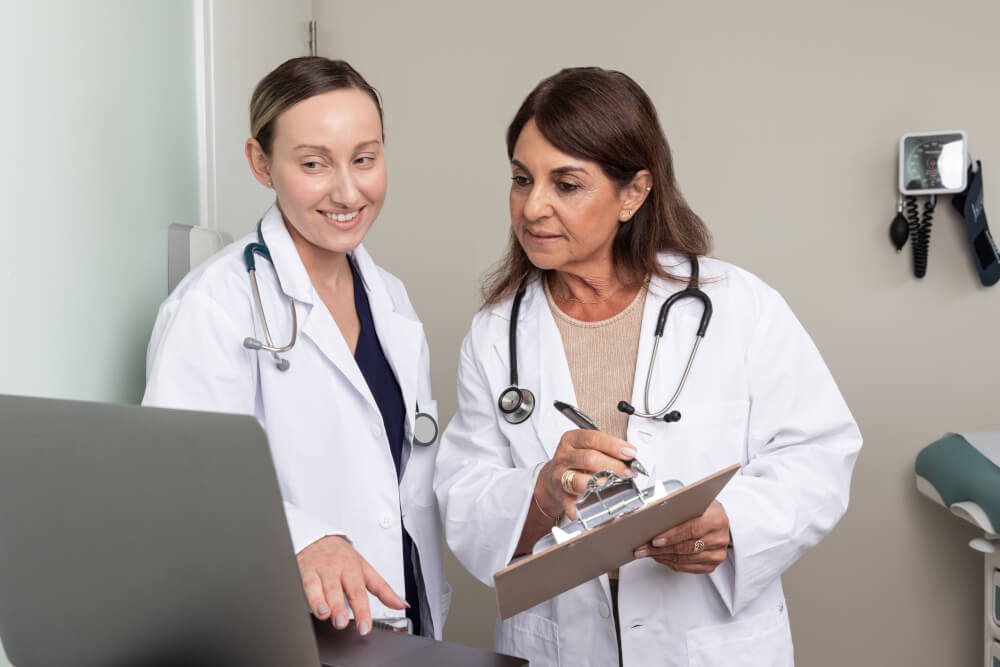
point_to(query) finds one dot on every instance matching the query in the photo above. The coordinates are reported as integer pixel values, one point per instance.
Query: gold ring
(699, 546)
(567, 481)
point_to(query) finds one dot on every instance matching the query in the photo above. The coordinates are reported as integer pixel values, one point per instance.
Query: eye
(365, 161)
(520, 181)
(567, 187)
(311, 164)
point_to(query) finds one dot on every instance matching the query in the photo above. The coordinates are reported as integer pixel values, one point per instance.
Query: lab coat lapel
(547, 369)
(401, 337)
(541, 367)
(318, 324)
(322, 329)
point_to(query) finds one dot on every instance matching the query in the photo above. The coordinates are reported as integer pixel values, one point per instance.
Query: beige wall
(784, 120)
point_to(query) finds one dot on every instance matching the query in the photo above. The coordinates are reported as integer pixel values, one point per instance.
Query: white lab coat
(327, 440)
(758, 394)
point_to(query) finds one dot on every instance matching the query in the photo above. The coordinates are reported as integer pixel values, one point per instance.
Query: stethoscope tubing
(260, 248)
(520, 403)
(706, 317)
(270, 347)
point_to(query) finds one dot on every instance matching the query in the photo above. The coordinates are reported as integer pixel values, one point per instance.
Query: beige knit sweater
(601, 357)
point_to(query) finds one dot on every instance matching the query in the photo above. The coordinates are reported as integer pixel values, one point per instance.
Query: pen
(578, 417)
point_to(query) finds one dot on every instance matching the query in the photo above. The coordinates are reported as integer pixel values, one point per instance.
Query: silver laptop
(143, 536)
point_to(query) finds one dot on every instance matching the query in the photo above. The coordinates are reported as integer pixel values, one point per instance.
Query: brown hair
(605, 117)
(296, 80)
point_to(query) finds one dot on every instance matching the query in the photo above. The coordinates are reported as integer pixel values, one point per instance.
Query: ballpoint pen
(579, 418)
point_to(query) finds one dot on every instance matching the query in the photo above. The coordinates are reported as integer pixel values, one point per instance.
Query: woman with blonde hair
(343, 387)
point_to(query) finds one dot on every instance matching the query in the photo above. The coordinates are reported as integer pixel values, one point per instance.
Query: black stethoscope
(425, 427)
(516, 403)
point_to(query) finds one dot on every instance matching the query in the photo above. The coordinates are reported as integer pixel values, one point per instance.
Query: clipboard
(582, 557)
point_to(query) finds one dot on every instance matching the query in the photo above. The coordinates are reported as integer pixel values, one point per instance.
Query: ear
(260, 165)
(633, 195)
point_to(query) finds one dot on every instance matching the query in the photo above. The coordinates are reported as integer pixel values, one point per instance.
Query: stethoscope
(425, 427)
(517, 403)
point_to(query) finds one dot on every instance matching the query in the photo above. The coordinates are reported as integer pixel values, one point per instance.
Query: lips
(542, 236)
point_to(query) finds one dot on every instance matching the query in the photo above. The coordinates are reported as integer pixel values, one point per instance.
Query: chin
(543, 262)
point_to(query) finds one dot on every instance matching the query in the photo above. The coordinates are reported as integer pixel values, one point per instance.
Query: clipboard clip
(606, 498)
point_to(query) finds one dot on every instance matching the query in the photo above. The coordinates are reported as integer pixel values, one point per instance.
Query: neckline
(623, 313)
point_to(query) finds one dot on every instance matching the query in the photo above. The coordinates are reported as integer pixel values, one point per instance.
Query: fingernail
(406, 603)
(365, 627)
(641, 553)
(628, 451)
(340, 622)
(630, 473)
(322, 610)
(659, 542)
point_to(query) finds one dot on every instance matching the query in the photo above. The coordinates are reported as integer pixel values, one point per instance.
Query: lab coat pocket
(530, 636)
(709, 436)
(763, 640)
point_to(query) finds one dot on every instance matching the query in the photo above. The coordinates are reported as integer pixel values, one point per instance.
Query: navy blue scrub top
(389, 397)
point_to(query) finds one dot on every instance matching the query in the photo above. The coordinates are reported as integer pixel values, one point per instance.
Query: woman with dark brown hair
(601, 238)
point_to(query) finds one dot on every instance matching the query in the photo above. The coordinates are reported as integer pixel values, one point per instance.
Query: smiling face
(564, 210)
(327, 167)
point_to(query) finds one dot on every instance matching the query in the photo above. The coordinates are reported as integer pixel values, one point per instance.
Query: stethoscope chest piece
(516, 404)
(425, 430)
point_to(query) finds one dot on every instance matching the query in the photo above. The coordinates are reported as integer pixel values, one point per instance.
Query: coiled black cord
(920, 231)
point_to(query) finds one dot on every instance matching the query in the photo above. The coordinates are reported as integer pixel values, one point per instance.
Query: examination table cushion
(960, 472)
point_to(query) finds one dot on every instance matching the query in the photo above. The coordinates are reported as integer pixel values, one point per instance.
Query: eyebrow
(324, 151)
(568, 169)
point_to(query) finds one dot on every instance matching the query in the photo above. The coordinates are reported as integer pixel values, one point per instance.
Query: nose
(344, 191)
(537, 206)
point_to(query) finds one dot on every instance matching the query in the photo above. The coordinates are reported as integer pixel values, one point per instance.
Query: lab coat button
(604, 610)
(385, 521)
(376, 430)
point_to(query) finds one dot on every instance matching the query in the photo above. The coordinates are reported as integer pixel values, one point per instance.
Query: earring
(269, 184)
(626, 214)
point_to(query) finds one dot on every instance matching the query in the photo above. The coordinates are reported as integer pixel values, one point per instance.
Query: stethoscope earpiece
(626, 407)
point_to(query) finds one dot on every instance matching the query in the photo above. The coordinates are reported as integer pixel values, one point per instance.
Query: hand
(678, 548)
(582, 453)
(331, 569)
